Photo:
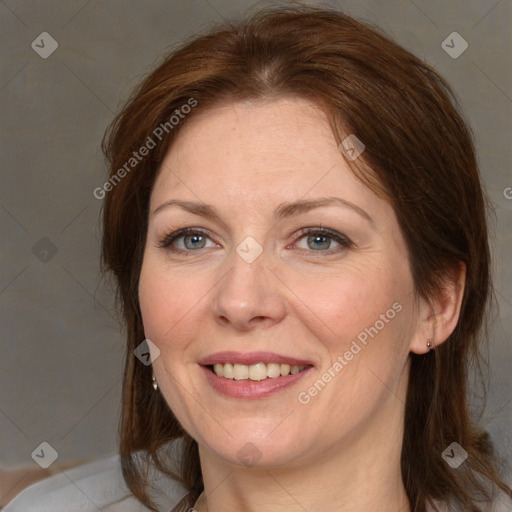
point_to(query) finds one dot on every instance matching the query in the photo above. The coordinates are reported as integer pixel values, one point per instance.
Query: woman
(295, 220)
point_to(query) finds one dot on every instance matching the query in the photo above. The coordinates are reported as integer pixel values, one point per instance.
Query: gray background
(62, 348)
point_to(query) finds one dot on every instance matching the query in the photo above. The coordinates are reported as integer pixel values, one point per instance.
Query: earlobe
(439, 316)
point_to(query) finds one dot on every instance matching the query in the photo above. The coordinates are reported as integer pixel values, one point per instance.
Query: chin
(255, 448)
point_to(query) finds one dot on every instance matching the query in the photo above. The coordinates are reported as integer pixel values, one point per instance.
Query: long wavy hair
(419, 155)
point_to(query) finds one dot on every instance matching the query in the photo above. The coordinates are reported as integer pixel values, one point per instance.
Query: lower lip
(252, 388)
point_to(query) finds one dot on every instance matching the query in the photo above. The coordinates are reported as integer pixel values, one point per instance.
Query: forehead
(278, 150)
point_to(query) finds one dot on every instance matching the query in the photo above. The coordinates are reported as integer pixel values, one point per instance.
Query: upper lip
(250, 358)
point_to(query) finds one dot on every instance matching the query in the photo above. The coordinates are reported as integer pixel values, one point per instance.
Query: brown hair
(419, 154)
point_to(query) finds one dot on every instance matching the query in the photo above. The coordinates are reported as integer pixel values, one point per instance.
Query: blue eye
(194, 241)
(317, 240)
(322, 239)
(320, 242)
(191, 239)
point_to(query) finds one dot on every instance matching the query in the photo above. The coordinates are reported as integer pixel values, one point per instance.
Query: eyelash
(345, 243)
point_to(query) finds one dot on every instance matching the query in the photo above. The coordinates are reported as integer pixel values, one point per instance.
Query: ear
(438, 317)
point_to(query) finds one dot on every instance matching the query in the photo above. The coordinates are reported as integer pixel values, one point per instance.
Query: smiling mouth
(255, 372)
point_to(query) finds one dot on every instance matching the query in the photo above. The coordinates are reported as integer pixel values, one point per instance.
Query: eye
(186, 240)
(322, 239)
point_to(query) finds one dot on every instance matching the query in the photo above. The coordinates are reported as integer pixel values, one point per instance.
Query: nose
(249, 295)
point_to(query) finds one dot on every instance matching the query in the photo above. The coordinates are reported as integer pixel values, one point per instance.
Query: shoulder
(98, 485)
(500, 502)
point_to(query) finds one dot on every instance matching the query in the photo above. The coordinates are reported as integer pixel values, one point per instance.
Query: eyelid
(323, 230)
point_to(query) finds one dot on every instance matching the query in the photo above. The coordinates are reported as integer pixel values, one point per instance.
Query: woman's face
(290, 260)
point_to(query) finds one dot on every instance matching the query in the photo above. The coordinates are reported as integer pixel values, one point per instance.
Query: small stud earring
(155, 384)
(429, 345)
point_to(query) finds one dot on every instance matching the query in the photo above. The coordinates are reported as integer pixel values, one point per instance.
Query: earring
(155, 383)
(429, 345)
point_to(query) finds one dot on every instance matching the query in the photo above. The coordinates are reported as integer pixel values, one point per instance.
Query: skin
(341, 450)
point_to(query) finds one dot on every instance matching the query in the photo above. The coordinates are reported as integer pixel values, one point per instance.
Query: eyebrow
(283, 211)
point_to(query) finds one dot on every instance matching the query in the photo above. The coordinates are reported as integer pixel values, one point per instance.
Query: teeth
(294, 370)
(273, 370)
(228, 370)
(241, 372)
(258, 371)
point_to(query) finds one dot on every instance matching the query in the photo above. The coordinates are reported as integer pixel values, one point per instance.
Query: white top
(98, 486)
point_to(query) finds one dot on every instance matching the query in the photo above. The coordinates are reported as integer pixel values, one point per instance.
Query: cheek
(360, 320)
(166, 301)
(343, 303)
